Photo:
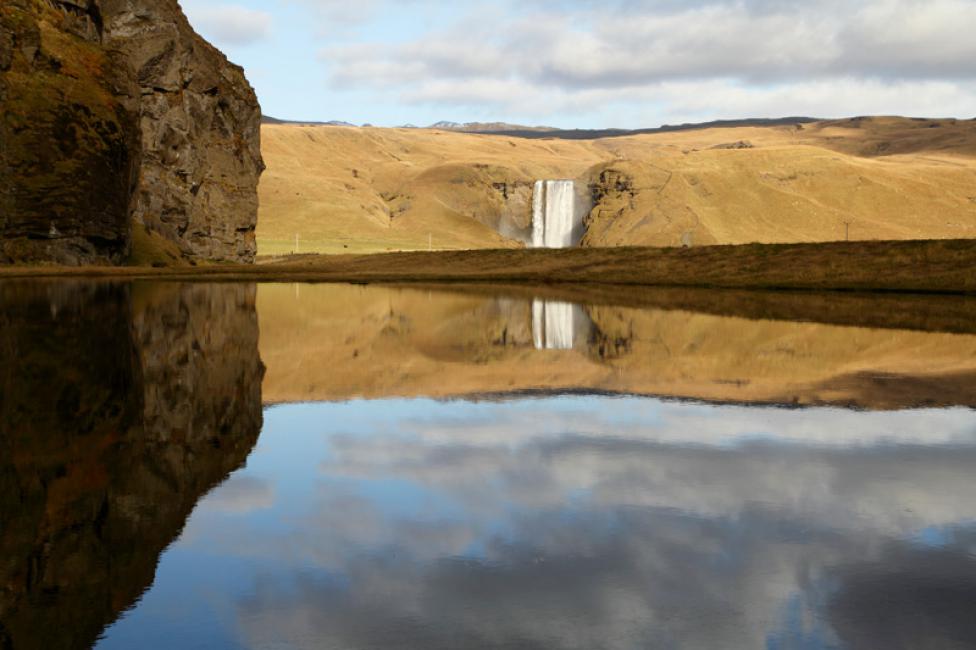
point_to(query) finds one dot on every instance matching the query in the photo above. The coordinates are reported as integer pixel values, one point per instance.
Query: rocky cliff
(201, 135)
(69, 137)
(116, 113)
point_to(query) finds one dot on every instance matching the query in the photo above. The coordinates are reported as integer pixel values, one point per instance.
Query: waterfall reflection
(553, 325)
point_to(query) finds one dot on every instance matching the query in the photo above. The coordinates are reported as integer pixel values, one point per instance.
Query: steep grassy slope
(878, 178)
(367, 190)
(784, 193)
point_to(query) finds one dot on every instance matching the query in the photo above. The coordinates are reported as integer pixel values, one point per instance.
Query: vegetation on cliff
(69, 140)
(116, 112)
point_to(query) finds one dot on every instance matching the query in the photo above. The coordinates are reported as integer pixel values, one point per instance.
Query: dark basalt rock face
(116, 112)
(201, 132)
(69, 137)
(119, 408)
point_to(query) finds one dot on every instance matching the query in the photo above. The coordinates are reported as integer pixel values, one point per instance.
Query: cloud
(542, 57)
(826, 466)
(657, 538)
(240, 495)
(341, 18)
(649, 583)
(906, 598)
(572, 523)
(230, 24)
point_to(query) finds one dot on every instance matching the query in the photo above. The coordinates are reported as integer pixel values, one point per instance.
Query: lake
(240, 466)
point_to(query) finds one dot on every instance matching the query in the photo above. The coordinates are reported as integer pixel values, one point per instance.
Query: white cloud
(239, 495)
(711, 58)
(229, 24)
(545, 523)
(832, 97)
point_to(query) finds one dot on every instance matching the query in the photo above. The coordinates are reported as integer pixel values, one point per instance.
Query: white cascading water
(553, 325)
(555, 218)
(539, 215)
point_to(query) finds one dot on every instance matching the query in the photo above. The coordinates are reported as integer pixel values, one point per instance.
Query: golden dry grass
(369, 190)
(372, 190)
(149, 248)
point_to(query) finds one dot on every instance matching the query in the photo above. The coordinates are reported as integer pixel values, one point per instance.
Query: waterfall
(556, 219)
(553, 325)
(539, 215)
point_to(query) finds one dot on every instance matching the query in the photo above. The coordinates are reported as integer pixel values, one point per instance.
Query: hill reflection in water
(427, 475)
(335, 342)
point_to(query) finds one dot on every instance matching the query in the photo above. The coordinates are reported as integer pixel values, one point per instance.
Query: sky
(597, 63)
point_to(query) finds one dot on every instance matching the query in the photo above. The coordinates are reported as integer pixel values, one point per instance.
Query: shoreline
(921, 267)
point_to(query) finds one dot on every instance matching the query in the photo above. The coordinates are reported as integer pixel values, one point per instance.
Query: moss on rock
(69, 127)
(114, 112)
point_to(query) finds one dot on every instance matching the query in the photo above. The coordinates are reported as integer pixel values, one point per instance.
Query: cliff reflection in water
(120, 406)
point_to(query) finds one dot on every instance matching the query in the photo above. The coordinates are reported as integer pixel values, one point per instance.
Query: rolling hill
(372, 189)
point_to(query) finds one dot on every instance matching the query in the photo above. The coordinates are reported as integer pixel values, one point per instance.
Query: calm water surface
(284, 466)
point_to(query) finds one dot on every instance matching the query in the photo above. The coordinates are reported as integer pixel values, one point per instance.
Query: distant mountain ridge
(597, 134)
(267, 119)
(522, 131)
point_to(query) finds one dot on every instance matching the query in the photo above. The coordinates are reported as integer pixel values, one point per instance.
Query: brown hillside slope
(381, 189)
(365, 190)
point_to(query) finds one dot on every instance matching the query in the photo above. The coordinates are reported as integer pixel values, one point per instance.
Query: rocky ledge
(116, 113)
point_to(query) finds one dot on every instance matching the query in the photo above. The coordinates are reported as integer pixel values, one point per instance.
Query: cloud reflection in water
(587, 522)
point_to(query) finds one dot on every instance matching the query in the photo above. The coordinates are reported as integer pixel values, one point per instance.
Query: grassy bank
(944, 266)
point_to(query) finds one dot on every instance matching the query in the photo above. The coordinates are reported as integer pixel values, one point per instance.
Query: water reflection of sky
(578, 522)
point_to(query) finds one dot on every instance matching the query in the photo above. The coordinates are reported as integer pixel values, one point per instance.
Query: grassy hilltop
(366, 190)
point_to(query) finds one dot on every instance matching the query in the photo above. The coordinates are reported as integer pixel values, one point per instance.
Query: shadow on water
(120, 406)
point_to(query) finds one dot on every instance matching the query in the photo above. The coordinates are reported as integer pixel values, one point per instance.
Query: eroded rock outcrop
(201, 123)
(69, 136)
(494, 196)
(634, 201)
(116, 112)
